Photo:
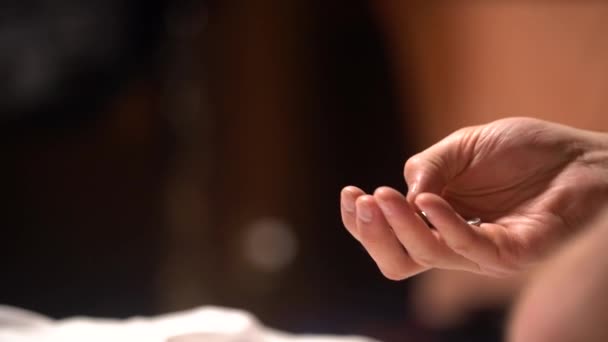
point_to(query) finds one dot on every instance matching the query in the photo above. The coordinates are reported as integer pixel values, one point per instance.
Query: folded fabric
(206, 324)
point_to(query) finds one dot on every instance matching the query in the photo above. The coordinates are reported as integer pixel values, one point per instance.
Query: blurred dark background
(161, 155)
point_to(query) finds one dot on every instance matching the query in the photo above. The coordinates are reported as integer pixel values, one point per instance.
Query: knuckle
(367, 236)
(463, 244)
(382, 192)
(462, 247)
(425, 259)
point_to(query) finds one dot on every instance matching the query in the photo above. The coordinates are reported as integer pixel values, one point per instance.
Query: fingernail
(365, 213)
(413, 188)
(348, 202)
(411, 193)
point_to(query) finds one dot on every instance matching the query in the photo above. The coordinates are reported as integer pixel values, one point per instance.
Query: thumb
(432, 169)
(424, 174)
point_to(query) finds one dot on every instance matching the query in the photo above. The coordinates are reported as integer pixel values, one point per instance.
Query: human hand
(531, 182)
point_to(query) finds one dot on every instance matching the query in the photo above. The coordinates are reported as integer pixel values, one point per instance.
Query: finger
(422, 245)
(423, 175)
(348, 197)
(431, 169)
(461, 237)
(380, 242)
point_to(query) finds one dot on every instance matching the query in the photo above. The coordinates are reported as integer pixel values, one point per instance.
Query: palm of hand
(529, 182)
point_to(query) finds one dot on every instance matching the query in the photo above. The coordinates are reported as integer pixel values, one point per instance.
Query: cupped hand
(531, 182)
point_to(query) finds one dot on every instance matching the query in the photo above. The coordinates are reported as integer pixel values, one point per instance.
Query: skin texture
(566, 301)
(531, 182)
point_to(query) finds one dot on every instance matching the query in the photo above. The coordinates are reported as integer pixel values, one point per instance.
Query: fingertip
(419, 188)
(426, 199)
(413, 172)
(411, 167)
(395, 275)
(410, 197)
(390, 200)
(364, 199)
(366, 202)
(384, 192)
(348, 196)
(351, 190)
(423, 175)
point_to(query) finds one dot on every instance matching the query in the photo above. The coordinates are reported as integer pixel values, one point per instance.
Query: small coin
(474, 221)
(422, 214)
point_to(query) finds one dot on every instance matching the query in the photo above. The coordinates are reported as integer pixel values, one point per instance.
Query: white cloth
(206, 324)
